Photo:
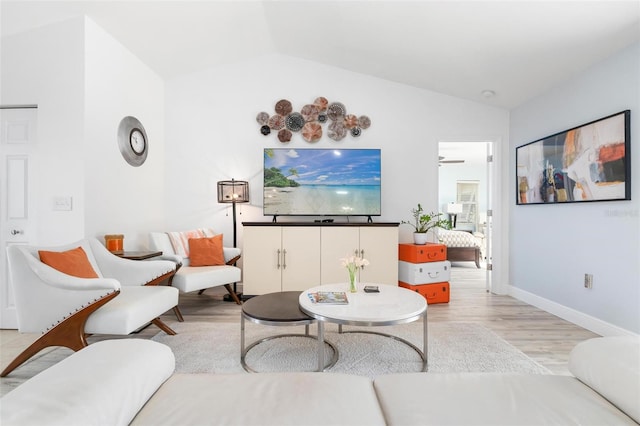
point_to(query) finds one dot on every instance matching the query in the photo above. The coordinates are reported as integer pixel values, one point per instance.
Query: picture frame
(591, 162)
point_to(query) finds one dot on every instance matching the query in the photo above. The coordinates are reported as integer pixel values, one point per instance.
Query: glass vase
(352, 283)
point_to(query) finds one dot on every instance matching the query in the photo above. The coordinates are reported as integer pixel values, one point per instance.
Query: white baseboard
(576, 317)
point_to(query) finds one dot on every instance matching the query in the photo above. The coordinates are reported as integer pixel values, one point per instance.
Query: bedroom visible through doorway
(464, 197)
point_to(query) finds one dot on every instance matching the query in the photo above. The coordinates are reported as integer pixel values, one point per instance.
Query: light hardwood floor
(542, 336)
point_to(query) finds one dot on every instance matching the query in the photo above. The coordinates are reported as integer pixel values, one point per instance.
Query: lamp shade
(233, 191)
(454, 208)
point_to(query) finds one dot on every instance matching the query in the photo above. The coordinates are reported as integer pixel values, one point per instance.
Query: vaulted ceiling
(515, 49)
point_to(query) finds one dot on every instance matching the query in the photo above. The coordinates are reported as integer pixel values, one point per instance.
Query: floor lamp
(233, 192)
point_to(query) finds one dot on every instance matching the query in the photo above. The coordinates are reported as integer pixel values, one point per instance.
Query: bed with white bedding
(462, 246)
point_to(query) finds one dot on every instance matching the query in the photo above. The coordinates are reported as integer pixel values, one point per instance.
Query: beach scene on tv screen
(322, 182)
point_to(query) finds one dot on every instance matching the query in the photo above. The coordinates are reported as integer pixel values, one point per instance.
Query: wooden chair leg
(68, 333)
(233, 294)
(176, 311)
(162, 279)
(164, 327)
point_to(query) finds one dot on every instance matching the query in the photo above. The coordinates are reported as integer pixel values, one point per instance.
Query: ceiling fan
(441, 160)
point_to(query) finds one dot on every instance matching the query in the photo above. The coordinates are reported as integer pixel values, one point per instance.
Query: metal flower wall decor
(310, 119)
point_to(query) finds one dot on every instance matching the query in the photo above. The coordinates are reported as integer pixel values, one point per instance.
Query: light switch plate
(63, 203)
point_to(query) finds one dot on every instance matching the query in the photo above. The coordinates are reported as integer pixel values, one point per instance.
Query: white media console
(291, 256)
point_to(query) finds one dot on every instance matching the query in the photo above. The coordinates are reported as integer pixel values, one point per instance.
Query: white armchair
(65, 308)
(199, 278)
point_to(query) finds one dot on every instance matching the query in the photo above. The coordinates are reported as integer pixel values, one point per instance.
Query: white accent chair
(124, 297)
(199, 278)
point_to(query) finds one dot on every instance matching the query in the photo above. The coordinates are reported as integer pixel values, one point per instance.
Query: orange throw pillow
(206, 251)
(71, 262)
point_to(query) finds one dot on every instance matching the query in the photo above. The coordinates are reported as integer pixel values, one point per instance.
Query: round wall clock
(132, 141)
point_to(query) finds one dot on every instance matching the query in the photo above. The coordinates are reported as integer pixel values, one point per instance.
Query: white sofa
(118, 382)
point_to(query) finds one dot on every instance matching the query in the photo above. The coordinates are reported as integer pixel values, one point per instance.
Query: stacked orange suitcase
(431, 252)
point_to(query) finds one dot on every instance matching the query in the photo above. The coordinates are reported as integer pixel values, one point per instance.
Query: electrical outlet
(588, 280)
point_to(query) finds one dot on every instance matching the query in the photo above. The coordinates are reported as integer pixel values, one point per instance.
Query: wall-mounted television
(591, 162)
(322, 182)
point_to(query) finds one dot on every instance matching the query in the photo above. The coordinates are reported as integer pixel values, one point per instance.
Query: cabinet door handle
(284, 259)
(355, 252)
(278, 260)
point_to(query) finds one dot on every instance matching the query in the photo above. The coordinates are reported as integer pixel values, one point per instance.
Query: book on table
(329, 297)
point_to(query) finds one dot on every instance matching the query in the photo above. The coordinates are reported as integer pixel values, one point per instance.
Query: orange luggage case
(434, 293)
(422, 253)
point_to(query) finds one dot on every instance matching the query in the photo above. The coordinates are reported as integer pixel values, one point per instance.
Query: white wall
(46, 67)
(553, 246)
(84, 83)
(212, 134)
(120, 198)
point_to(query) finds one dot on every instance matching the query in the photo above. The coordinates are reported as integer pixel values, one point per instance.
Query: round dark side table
(277, 309)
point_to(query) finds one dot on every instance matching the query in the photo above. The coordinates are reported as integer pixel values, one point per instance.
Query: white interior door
(17, 219)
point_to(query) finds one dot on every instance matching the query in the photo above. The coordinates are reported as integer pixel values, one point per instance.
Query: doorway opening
(465, 178)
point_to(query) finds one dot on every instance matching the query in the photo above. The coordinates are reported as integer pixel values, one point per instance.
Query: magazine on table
(329, 297)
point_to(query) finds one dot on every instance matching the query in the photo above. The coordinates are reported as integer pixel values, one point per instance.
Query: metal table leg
(242, 335)
(425, 342)
(320, 346)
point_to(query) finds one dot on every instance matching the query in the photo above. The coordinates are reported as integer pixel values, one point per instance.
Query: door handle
(17, 232)
(284, 259)
(278, 260)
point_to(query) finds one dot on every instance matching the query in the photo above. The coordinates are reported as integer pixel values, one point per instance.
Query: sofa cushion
(134, 305)
(263, 399)
(105, 383)
(611, 366)
(160, 241)
(71, 262)
(194, 278)
(206, 251)
(492, 399)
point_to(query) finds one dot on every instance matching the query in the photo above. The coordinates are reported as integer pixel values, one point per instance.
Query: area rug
(205, 347)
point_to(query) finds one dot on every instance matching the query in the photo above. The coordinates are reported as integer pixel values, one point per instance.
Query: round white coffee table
(392, 305)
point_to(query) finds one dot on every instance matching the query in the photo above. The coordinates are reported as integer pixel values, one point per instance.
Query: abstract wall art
(590, 162)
